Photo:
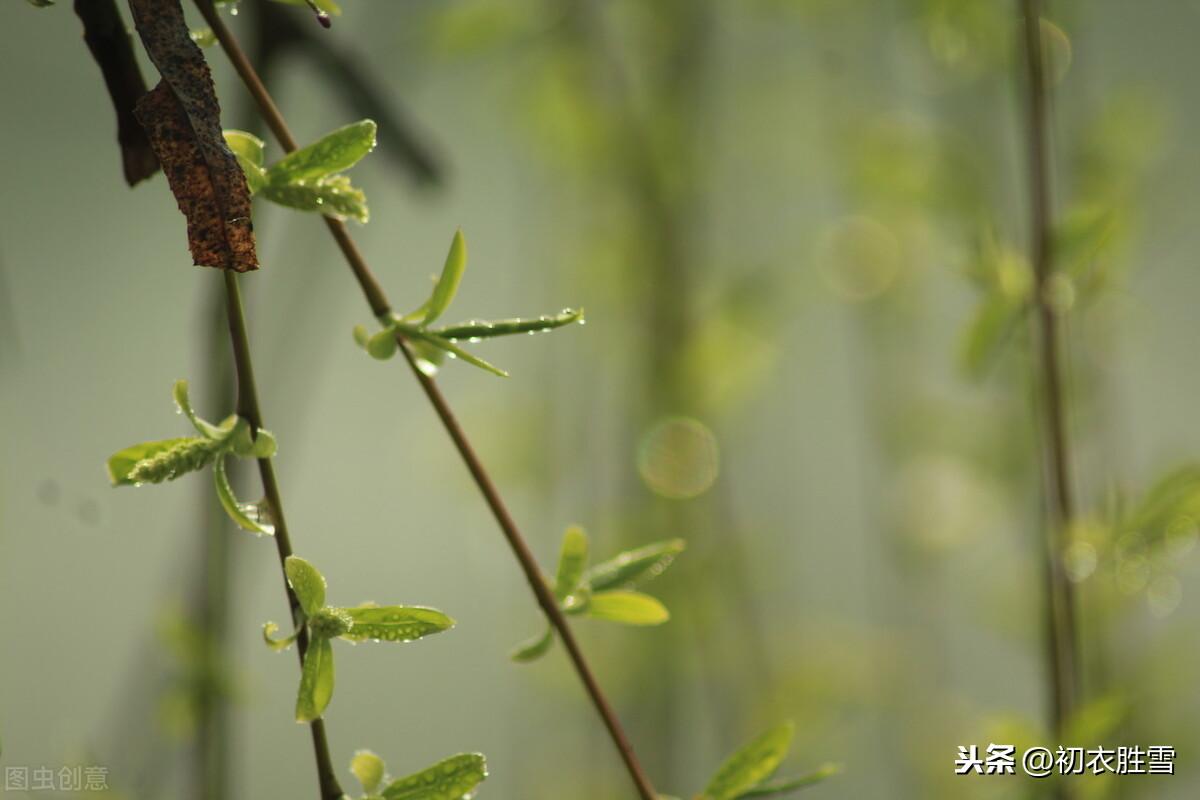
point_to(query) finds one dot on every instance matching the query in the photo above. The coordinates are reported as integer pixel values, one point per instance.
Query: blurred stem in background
(653, 96)
(1060, 510)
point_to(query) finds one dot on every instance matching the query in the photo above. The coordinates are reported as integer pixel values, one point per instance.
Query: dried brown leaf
(110, 45)
(183, 120)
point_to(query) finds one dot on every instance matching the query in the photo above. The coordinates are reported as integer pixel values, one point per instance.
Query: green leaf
(628, 608)
(382, 345)
(335, 152)
(204, 37)
(248, 516)
(269, 631)
(534, 648)
(121, 463)
(395, 623)
(361, 336)
(572, 561)
(189, 455)
(261, 446)
(634, 566)
(249, 151)
(369, 769)
(447, 285)
(477, 329)
(450, 779)
(457, 352)
(792, 784)
(334, 197)
(751, 765)
(316, 681)
(307, 582)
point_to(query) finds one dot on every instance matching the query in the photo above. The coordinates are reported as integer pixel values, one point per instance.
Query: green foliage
(431, 345)
(168, 459)
(746, 773)
(601, 592)
(325, 623)
(310, 178)
(453, 778)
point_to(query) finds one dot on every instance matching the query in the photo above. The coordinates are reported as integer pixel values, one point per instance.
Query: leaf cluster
(605, 591)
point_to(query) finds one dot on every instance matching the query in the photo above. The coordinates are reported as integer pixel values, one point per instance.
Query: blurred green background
(797, 228)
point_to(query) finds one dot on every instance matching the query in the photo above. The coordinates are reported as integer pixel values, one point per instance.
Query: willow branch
(248, 409)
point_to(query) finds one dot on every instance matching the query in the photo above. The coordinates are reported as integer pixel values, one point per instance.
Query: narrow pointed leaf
(447, 285)
(634, 566)
(450, 779)
(628, 608)
(572, 561)
(121, 463)
(180, 394)
(533, 649)
(238, 512)
(369, 769)
(316, 681)
(478, 329)
(335, 152)
(307, 582)
(785, 786)
(395, 623)
(751, 765)
(460, 353)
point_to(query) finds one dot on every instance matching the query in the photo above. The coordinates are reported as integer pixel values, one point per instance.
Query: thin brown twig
(1061, 622)
(380, 306)
(248, 409)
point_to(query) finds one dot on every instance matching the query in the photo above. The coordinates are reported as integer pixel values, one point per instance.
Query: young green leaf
(572, 561)
(333, 196)
(188, 455)
(457, 352)
(121, 463)
(261, 446)
(775, 788)
(249, 151)
(534, 648)
(453, 778)
(361, 336)
(382, 345)
(269, 631)
(477, 329)
(634, 566)
(248, 516)
(316, 681)
(335, 152)
(394, 623)
(307, 583)
(628, 608)
(369, 769)
(447, 285)
(751, 765)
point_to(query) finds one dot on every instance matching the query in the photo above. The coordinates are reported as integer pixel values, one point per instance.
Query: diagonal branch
(380, 305)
